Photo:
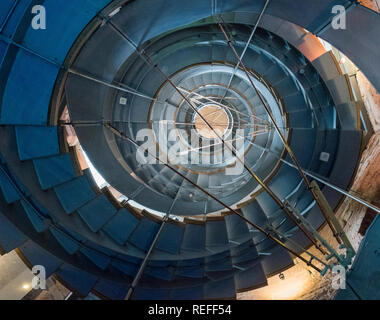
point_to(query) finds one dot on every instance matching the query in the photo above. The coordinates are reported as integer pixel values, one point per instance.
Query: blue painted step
(189, 293)
(127, 268)
(221, 289)
(121, 226)
(31, 107)
(76, 279)
(278, 261)
(250, 279)
(151, 294)
(191, 272)
(163, 273)
(14, 20)
(54, 171)
(244, 253)
(10, 193)
(10, 236)
(216, 234)
(144, 234)
(237, 228)
(47, 44)
(36, 142)
(170, 239)
(194, 237)
(100, 260)
(97, 212)
(34, 217)
(111, 289)
(37, 256)
(74, 194)
(69, 244)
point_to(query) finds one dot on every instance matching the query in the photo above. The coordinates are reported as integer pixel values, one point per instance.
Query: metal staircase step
(18, 111)
(194, 237)
(54, 171)
(37, 256)
(216, 234)
(162, 273)
(10, 236)
(237, 229)
(97, 212)
(76, 279)
(189, 293)
(348, 114)
(70, 245)
(144, 233)
(34, 217)
(171, 238)
(36, 142)
(74, 194)
(100, 260)
(111, 289)
(250, 279)
(278, 261)
(220, 289)
(121, 226)
(10, 192)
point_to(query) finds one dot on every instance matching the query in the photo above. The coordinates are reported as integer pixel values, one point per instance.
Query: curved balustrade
(57, 216)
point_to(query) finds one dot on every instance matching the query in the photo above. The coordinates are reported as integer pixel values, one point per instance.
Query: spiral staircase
(120, 67)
